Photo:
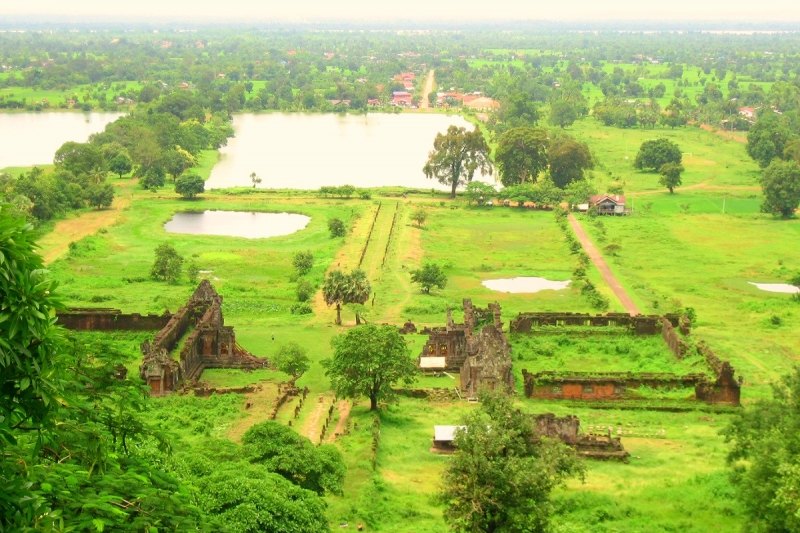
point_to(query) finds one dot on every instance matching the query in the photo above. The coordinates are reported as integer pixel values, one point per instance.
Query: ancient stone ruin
(567, 429)
(478, 349)
(211, 344)
(638, 325)
(594, 386)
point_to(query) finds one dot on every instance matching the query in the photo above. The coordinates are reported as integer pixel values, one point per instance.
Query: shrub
(168, 264)
(337, 228)
(303, 262)
(301, 308)
(304, 290)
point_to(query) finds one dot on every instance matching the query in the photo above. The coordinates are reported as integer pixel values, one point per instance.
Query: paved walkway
(597, 258)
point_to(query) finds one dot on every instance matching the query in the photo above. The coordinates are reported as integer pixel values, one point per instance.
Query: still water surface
(245, 224)
(524, 284)
(33, 138)
(307, 151)
(776, 287)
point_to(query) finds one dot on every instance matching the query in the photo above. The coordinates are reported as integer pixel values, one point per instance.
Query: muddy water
(249, 225)
(524, 284)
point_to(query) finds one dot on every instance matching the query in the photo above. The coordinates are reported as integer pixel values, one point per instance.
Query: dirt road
(423, 104)
(602, 266)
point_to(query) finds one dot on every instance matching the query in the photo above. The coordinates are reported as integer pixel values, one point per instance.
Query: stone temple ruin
(211, 344)
(721, 389)
(478, 349)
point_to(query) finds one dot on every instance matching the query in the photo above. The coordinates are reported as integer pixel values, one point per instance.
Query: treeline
(158, 140)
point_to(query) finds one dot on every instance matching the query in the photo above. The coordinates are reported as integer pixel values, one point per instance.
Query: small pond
(776, 287)
(247, 224)
(524, 284)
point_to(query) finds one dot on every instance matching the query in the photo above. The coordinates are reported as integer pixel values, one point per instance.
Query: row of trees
(774, 143)
(523, 154)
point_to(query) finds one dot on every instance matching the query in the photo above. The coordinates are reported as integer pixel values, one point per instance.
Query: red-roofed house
(747, 112)
(608, 204)
(401, 98)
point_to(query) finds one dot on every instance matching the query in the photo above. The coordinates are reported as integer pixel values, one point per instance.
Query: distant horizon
(585, 13)
(170, 23)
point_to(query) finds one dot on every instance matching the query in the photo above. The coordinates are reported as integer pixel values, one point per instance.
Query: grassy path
(597, 258)
(377, 245)
(56, 243)
(347, 257)
(344, 412)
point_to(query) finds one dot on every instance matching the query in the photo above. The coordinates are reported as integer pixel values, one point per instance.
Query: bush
(337, 228)
(301, 308)
(304, 290)
(168, 264)
(303, 262)
(189, 185)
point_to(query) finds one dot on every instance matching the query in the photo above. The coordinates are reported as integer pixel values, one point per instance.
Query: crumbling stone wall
(596, 386)
(726, 389)
(639, 325)
(567, 429)
(102, 319)
(676, 345)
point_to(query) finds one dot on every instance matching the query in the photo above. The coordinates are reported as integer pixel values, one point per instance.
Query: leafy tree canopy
(368, 361)
(670, 175)
(190, 185)
(292, 359)
(282, 450)
(655, 153)
(337, 228)
(502, 474)
(303, 262)
(168, 264)
(569, 160)
(429, 276)
(456, 156)
(781, 186)
(521, 155)
(765, 457)
(340, 288)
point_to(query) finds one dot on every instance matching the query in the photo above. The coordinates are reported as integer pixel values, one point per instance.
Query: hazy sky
(321, 10)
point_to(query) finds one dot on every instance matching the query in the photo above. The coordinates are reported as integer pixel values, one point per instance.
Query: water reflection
(307, 151)
(32, 138)
(524, 284)
(247, 224)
